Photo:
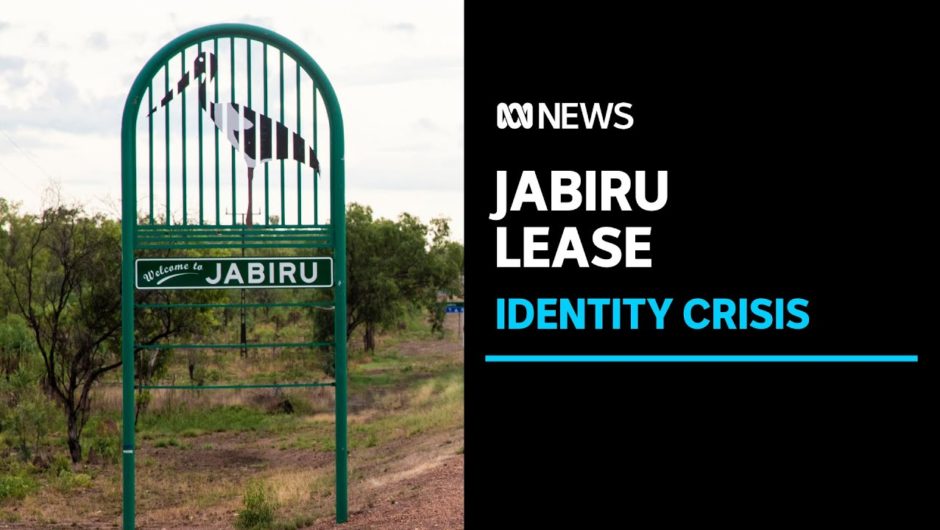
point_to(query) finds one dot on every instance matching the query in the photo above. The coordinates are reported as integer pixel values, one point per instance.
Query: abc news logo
(564, 116)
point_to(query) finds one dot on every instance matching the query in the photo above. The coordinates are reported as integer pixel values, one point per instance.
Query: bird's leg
(251, 176)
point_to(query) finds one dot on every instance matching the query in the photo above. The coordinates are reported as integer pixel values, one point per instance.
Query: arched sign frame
(131, 236)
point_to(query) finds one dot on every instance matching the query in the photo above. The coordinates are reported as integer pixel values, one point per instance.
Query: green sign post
(265, 123)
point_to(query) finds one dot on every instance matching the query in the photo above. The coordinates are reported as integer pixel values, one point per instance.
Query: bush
(259, 508)
(59, 464)
(16, 344)
(68, 481)
(16, 486)
(27, 415)
(104, 442)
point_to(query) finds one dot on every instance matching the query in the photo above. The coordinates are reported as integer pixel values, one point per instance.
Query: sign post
(194, 253)
(456, 307)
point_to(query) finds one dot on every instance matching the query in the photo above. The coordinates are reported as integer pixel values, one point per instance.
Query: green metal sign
(238, 168)
(233, 273)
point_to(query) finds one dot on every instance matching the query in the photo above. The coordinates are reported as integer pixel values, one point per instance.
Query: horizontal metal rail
(198, 240)
(292, 243)
(221, 230)
(224, 238)
(249, 236)
(232, 387)
(230, 228)
(223, 306)
(235, 345)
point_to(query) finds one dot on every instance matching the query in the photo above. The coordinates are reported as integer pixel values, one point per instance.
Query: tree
(62, 270)
(57, 270)
(445, 270)
(392, 267)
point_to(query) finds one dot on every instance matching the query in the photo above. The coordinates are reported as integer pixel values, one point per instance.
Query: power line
(15, 179)
(28, 156)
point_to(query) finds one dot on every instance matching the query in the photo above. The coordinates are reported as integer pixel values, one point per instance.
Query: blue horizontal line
(701, 358)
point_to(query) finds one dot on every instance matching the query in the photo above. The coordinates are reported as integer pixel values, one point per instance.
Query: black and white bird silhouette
(257, 136)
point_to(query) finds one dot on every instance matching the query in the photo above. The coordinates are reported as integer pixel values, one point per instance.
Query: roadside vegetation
(253, 458)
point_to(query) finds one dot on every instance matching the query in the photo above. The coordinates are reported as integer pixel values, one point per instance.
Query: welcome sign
(234, 273)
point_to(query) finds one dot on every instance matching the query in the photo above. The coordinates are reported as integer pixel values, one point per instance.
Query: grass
(192, 422)
(322, 486)
(167, 442)
(390, 369)
(300, 521)
(67, 481)
(433, 405)
(259, 508)
(17, 486)
(427, 405)
(410, 387)
(315, 440)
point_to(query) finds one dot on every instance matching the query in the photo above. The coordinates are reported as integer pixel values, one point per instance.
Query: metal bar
(222, 306)
(237, 235)
(166, 123)
(281, 73)
(281, 243)
(183, 124)
(248, 212)
(299, 165)
(232, 69)
(184, 239)
(150, 144)
(201, 200)
(231, 233)
(338, 220)
(262, 232)
(128, 232)
(224, 243)
(218, 217)
(233, 236)
(232, 387)
(267, 213)
(225, 238)
(225, 228)
(230, 238)
(316, 193)
(228, 243)
(192, 246)
(291, 243)
(234, 346)
(248, 62)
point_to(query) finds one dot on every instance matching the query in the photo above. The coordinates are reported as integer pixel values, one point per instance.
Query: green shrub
(259, 508)
(103, 441)
(16, 486)
(16, 344)
(68, 481)
(27, 415)
(58, 464)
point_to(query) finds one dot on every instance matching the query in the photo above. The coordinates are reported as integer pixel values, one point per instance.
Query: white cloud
(396, 66)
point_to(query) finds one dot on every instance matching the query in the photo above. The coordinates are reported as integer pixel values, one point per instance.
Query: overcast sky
(66, 67)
